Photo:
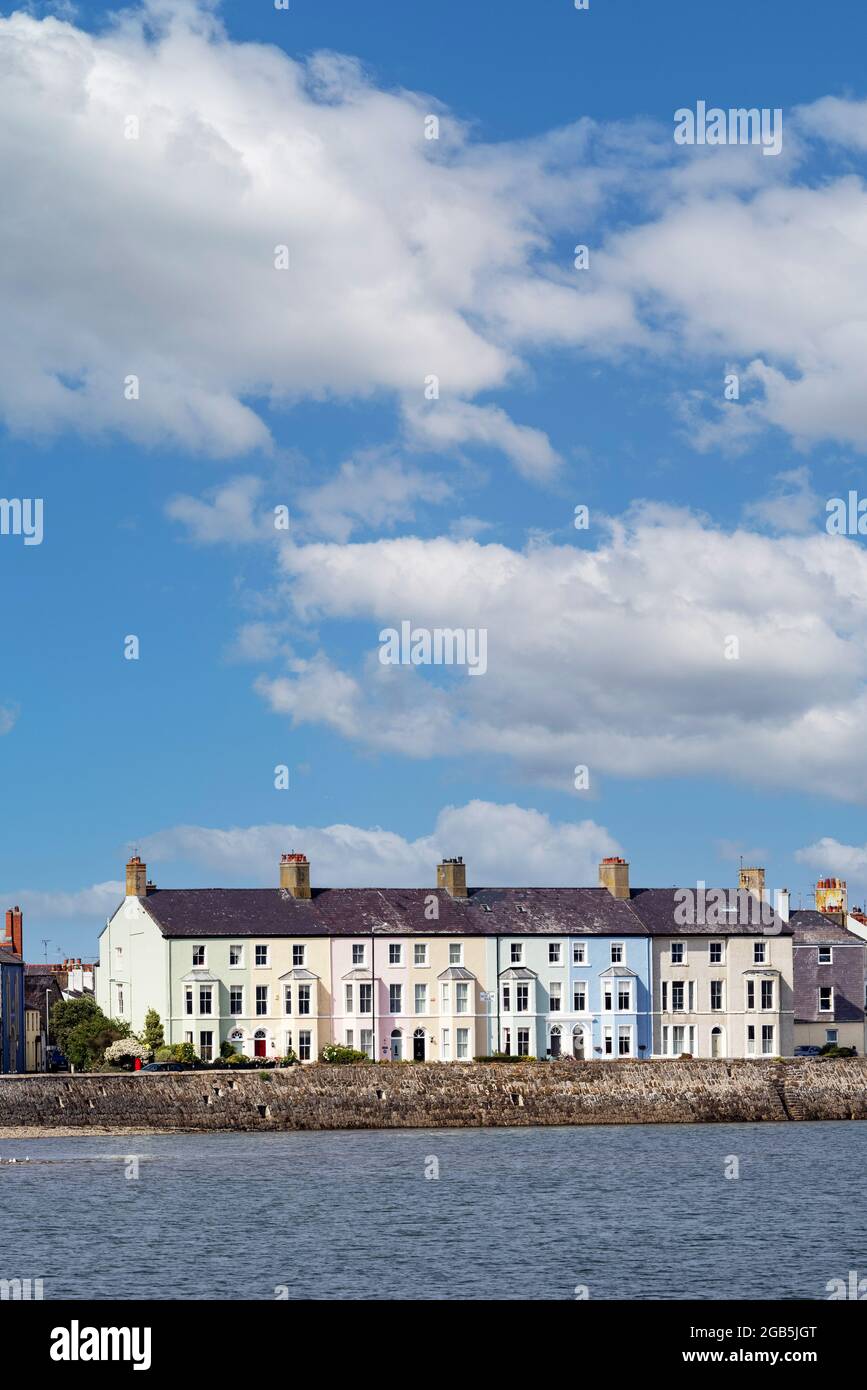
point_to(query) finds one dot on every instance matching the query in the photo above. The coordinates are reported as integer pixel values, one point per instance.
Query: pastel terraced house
(444, 974)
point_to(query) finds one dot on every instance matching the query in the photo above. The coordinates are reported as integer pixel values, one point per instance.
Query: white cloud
(613, 657)
(792, 505)
(371, 492)
(8, 716)
(829, 856)
(492, 838)
(226, 515)
(166, 265)
(91, 904)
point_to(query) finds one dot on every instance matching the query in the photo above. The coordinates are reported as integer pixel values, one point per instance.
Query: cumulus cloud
(493, 839)
(791, 506)
(94, 904)
(179, 163)
(614, 657)
(407, 257)
(829, 856)
(226, 514)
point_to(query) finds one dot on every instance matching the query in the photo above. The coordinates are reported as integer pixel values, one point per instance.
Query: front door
(578, 1044)
(555, 1044)
(258, 1047)
(418, 1047)
(396, 1047)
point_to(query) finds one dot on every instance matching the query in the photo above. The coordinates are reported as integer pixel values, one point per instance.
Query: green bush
(503, 1057)
(834, 1050)
(334, 1052)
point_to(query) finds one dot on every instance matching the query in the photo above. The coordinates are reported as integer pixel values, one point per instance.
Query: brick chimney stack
(452, 875)
(753, 880)
(14, 939)
(136, 878)
(614, 875)
(831, 895)
(295, 875)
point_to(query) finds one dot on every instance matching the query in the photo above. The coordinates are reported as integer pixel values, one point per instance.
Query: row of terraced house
(452, 973)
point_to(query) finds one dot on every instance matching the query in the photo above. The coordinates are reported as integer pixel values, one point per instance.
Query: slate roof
(270, 912)
(35, 984)
(814, 928)
(656, 909)
(7, 958)
(273, 912)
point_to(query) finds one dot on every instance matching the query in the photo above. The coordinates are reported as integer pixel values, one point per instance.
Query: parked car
(55, 1060)
(168, 1066)
(808, 1050)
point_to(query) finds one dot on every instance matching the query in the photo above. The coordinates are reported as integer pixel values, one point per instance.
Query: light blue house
(573, 974)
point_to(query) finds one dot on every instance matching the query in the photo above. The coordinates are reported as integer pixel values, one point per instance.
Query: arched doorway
(418, 1051)
(260, 1042)
(396, 1045)
(556, 1041)
(717, 1042)
(579, 1045)
(236, 1038)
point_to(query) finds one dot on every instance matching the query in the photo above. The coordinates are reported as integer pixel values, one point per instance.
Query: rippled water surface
(631, 1212)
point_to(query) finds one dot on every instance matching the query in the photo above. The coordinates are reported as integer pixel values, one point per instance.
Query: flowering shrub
(126, 1050)
(334, 1052)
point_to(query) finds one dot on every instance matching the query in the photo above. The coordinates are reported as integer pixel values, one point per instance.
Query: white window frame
(618, 952)
(826, 989)
(579, 952)
(680, 947)
(200, 964)
(456, 947)
(516, 953)
(555, 952)
(830, 955)
(239, 963)
(419, 948)
(396, 948)
(266, 963)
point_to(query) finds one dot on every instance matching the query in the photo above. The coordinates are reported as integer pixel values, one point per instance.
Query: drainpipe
(373, 997)
(499, 1030)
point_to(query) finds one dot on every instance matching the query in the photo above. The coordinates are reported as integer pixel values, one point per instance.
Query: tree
(152, 1034)
(83, 1032)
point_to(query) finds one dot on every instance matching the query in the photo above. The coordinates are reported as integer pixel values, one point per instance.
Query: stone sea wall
(401, 1096)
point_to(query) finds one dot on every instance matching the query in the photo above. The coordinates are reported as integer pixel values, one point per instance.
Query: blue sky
(605, 646)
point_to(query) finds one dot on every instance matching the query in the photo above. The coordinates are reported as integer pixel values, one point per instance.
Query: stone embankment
(433, 1096)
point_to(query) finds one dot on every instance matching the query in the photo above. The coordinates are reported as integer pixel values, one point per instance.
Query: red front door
(259, 1047)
